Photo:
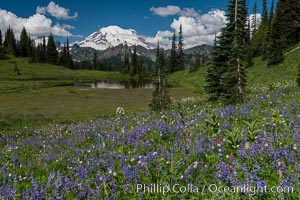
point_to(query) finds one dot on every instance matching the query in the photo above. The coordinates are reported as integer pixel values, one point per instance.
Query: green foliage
(10, 42)
(134, 63)
(298, 77)
(226, 77)
(52, 55)
(180, 53)
(285, 29)
(160, 96)
(173, 61)
(24, 45)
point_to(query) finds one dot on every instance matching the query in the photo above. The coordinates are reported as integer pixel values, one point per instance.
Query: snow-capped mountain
(113, 36)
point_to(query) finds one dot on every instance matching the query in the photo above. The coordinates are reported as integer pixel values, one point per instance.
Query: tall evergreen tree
(10, 41)
(173, 62)
(52, 55)
(160, 97)
(1, 48)
(220, 55)
(0, 38)
(254, 25)
(271, 12)
(234, 79)
(180, 50)
(264, 12)
(95, 65)
(126, 67)
(285, 29)
(134, 63)
(298, 77)
(24, 44)
(44, 51)
(268, 41)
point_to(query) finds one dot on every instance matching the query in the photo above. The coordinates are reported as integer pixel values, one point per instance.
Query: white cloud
(163, 37)
(197, 28)
(165, 11)
(36, 25)
(57, 11)
(174, 10)
(258, 19)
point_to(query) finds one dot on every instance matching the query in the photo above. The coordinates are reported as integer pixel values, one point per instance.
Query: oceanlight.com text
(212, 188)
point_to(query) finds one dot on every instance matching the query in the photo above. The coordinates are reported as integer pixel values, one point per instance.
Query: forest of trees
(41, 53)
(238, 43)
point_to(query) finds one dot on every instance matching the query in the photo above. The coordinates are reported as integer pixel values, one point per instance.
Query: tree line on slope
(43, 52)
(239, 42)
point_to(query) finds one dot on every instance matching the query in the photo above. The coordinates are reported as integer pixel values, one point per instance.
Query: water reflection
(110, 84)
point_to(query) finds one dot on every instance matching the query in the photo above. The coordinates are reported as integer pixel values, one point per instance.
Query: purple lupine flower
(59, 181)
(51, 177)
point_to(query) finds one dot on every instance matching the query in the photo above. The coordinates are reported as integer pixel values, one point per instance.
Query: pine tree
(271, 13)
(134, 63)
(220, 57)
(173, 62)
(268, 41)
(160, 97)
(180, 50)
(233, 80)
(0, 38)
(1, 48)
(95, 65)
(44, 51)
(285, 29)
(265, 12)
(126, 63)
(51, 51)
(10, 41)
(24, 44)
(254, 24)
(298, 78)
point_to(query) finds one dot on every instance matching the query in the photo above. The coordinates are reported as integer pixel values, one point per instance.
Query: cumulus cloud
(197, 28)
(165, 11)
(36, 25)
(57, 11)
(174, 10)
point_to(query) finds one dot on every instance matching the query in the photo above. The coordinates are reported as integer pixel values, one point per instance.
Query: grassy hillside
(37, 71)
(259, 75)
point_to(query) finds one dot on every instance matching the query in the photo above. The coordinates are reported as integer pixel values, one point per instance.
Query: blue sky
(78, 19)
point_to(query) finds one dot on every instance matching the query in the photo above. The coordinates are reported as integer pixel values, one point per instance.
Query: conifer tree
(265, 12)
(1, 48)
(173, 62)
(216, 68)
(24, 44)
(51, 51)
(95, 60)
(10, 41)
(269, 32)
(234, 79)
(285, 29)
(254, 24)
(271, 12)
(126, 63)
(160, 97)
(298, 77)
(180, 50)
(0, 38)
(134, 63)
(44, 51)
